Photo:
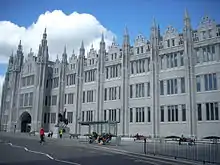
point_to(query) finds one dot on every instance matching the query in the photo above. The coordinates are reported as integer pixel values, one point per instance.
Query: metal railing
(200, 151)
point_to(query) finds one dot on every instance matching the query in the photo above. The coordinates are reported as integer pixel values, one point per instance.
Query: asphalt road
(18, 151)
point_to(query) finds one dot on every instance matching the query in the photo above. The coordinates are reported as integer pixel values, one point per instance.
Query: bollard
(145, 143)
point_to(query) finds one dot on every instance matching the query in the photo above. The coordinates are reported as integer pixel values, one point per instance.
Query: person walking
(42, 134)
(61, 133)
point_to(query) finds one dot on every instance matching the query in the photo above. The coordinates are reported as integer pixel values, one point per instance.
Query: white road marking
(50, 157)
(67, 162)
(142, 161)
(41, 153)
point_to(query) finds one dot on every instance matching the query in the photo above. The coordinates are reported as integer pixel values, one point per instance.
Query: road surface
(20, 151)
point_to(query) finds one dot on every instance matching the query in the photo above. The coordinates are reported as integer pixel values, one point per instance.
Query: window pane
(216, 112)
(198, 84)
(207, 112)
(131, 115)
(212, 111)
(183, 113)
(206, 82)
(199, 109)
(214, 81)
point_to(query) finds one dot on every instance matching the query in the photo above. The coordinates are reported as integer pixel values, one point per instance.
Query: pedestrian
(42, 134)
(61, 133)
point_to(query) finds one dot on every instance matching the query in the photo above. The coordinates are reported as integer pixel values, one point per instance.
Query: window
(161, 62)
(183, 112)
(212, 111)
(210, 82)
(172, 113)
(142, 49)
(172, 87)
(54, 100)
(173, 42)
(132, 67)
(112, 115)
(49, 100)
(105, 115)
(70, 98)
(198, 84)
(26, 99)
(205, 55)
(71, 79)
(197, 56)
(83, 115)
(175, 60)
(161, 88)
(139, 90)
(106, 72)
(31, 99)
(183, 90)
(105, 94)
(131, 115)
(216, 111)
(112, 93)
(162, 113)
(168, 113)
(89, 76)
(70, 117)
(84, 97)
(199, 111)
(171, 61)
(21, 100)
(168, 43)
(140, 66)
(90, 96)
(89, 115)
(55, 83)
(119, 92)
(53, 118)
(48, 118)
(148, 89)
(176, 113)
(138, 50)
(140, 114)
(45, 118)
(181, 58)
(213, 52)
(131, 91)
(148, 114)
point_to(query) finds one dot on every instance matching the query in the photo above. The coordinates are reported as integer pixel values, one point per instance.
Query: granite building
(166, 85)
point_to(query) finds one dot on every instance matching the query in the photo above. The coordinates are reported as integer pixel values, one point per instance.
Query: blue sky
(114, 15)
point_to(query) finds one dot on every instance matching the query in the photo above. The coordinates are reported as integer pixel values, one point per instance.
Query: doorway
(25, 122)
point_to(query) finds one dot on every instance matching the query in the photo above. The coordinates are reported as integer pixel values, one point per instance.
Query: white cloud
(62, 30)
(2, 78)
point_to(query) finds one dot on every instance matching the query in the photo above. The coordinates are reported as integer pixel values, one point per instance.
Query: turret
(64, 56)
(102, 43)
(82, 50)
(126, 40)
(155, 33)
(19, 57)
(43, 55)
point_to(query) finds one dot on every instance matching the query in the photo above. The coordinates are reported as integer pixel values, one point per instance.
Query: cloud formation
(62, 30)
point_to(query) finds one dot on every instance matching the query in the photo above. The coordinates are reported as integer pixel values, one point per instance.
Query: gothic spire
(45, 34)
(82, 45)
(102, 37)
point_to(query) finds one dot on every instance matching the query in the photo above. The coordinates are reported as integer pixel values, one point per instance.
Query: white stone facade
(167, 85)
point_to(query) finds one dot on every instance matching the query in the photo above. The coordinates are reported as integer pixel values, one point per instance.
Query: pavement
(24, 150)
(203, 152)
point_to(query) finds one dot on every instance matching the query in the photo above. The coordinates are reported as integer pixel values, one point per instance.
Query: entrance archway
(25, 119)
